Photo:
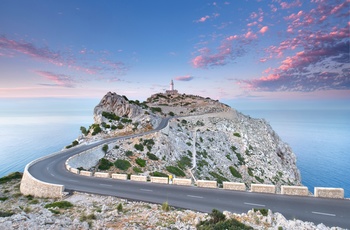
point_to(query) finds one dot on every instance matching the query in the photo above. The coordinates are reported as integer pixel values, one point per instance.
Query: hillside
(205, 140)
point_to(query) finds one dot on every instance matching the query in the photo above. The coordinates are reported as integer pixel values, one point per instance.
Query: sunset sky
(227, 50)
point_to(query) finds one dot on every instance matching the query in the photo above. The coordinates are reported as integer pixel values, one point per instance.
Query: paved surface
(331, 212)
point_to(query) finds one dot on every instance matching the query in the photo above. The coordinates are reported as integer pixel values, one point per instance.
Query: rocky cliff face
(209, 141)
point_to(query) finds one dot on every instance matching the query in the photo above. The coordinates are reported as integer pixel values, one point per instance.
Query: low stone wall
(74, 170)
(180, 181)
(294, 190)
(119, 176)
(138, 178)
(159, 180)
(263, 188)
(206, 183)
(101, 175)
(234, 186)
(85, 173)
(34, 187)
(329, 192)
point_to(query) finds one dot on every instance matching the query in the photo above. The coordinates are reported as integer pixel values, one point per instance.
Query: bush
(234, 172)
(11, 176)
(105, 164)
(250, 172)
(128, 153)
(120, 126)
(156, 109)
(122, 164)
(259, 179)
(83, 130)
(96, 129)
(3, 198)
(126, 120)
(60, 204)
(137, 170)
(105, 148)
(171, 114)
(159, 174)
(263, 211)
(240, 159)
(218, 221)
(139, 147)
(141, 162)
(184, 162)
(151, 156)
(110, 116)
(176, 171)
(218, 177)
(120, 207)
(5, 214)
(237, 135)
(165, 207)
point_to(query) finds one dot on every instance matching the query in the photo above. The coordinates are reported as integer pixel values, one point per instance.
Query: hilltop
(205, 139)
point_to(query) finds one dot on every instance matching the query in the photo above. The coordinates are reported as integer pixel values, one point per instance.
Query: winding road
(331, 212)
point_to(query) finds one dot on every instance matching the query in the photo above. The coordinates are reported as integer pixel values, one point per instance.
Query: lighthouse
(171, 90)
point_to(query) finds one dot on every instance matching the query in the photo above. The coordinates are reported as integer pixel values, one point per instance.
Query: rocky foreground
(87, 211)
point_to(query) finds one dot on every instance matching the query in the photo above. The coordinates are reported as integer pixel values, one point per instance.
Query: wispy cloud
(60, 80)
(184, 78)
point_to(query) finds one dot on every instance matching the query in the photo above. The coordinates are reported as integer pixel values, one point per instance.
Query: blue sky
(229, 50)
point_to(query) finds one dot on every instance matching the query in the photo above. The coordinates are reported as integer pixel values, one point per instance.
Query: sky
(239, 50)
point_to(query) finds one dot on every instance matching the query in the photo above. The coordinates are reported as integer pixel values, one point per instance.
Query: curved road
(331, 212)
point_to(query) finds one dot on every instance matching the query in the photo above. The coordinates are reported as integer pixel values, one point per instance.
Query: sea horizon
(44, 126)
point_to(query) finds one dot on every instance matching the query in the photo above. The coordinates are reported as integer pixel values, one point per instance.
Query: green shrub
(11, 176)
(263, 211)
(96, 129)
(120, 207)
(184, 162)
(218, 221)
(110, 116)
(60, 204)
(83, 130)
(120, 126)
(151, 156)
(184, 122)
(175, 170)
(128, 153)
(156, 110)
(159, 174)
(228, 157)
(188, 143)
(237, 135)
(240, 159)
(141, 162)
(218, 177)
(114, 127)
(6, 214)
(105, 164)
(137, 170)
(3, 198)
(105, 148)
(234, 172)
(259, 179)
(122, 164)
(171, 114)
(250, 172)
(165, 207)
(126, 120)
(139, 147)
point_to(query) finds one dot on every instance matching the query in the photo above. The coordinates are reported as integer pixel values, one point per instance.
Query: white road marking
(146, 190)
(260, 205)
(52, 174)
(109, 185)
(73, 180)
(323, 213)
(199, 197)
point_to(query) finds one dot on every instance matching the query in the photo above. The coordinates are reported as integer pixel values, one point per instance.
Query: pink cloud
(287, 5)
(203, 19)
(184, 78)
(250, 35)
(57, 79)
(264, 29)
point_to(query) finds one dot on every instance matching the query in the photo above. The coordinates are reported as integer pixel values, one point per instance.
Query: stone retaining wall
(180, 181)
(294, 190)
(263, 188)
(101, 175)
(138, 178)
(74, 170)
(234, 186)
(159, 180)
(86, 159)
(329, 192)
(119, 176)
(206, 183)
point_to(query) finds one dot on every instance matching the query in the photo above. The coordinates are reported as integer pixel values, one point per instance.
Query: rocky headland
(205, 139)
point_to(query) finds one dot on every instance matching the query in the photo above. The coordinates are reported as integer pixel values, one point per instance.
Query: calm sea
(32, 128)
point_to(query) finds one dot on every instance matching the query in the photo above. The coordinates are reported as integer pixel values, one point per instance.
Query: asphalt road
(331, 212)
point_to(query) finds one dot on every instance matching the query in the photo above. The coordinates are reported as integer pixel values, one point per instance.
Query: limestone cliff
(206, 140)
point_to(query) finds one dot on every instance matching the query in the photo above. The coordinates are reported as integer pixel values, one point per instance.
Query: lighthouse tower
(171, 90)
